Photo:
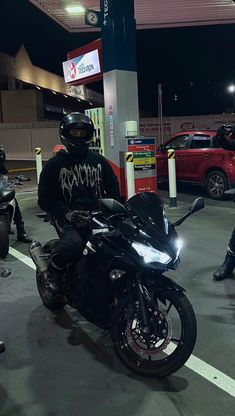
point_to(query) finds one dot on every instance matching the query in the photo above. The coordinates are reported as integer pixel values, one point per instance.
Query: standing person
(226, 138)
(226, 269)
(18, 220)
(71, 183)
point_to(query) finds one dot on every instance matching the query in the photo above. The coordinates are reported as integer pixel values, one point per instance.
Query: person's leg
(228, 265)
(18, 220)
(69, 250)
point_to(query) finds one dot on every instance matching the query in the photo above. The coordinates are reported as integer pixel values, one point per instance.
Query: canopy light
(231, 88)
(75, 9)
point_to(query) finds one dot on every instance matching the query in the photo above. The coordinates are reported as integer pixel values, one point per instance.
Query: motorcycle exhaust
(38, 257)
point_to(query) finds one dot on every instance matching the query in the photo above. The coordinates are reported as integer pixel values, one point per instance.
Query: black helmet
(76, 132)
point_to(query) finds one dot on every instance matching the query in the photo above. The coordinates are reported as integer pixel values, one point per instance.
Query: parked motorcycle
(7, 209)
(119, 284)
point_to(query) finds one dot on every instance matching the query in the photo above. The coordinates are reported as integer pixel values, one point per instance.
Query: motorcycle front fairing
(155, 241)
(144, 240)
(147, 248)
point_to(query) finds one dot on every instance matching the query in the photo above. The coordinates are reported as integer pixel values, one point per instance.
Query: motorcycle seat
(7, 195)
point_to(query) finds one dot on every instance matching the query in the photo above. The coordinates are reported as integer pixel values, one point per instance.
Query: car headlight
(150, 254)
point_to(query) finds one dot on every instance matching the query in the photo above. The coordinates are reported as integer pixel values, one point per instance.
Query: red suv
(199, 159)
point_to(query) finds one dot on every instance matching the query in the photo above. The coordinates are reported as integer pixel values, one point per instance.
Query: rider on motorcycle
(18, 220)
(226, 138)
(70, 185)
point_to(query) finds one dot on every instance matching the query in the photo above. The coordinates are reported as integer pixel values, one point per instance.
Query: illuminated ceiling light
(78, 99)
(54, 92)
(65, 96)
(75, 9)
(37, 87)
(231, 88)
(91, 103)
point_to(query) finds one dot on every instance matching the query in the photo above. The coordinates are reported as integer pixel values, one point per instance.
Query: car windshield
(148, 207)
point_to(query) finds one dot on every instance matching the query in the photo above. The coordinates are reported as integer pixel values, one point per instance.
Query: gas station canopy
(150, 14)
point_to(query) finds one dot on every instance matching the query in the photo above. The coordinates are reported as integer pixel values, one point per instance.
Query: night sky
(194, 65)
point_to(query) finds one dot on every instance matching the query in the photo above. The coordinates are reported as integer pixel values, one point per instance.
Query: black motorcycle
(119, 284)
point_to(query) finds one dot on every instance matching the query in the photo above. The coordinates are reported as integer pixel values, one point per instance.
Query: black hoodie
(67, 183)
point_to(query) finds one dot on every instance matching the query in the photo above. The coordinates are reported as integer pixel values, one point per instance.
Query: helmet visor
(77, 133)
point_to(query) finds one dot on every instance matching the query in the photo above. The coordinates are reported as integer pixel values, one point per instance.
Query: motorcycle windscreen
(148, 207)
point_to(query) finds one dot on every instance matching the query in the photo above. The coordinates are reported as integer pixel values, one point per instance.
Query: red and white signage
(84, 64)
(81, 67)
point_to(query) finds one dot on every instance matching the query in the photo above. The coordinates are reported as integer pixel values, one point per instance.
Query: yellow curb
(21, 170)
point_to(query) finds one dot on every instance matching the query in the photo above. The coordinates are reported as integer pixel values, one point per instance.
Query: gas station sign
(82, 67)
(144, 151)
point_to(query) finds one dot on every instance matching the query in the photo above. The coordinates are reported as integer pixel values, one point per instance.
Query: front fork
(144, 298)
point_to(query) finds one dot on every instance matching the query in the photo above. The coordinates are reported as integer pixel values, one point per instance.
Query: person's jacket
(67, 184)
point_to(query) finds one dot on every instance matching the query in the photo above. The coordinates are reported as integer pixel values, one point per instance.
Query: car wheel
(216, 184)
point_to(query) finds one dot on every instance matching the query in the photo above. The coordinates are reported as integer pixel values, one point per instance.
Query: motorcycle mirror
(197, 204)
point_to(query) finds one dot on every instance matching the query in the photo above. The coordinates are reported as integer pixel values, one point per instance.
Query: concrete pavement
(60, 365)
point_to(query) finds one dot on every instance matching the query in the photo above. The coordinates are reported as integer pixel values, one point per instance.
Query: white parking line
(24, 259)
(211, 374)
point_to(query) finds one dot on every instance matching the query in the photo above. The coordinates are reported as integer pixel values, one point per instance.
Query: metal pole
(172, 177)
(130, 175)
(160, 112)
(38, 155)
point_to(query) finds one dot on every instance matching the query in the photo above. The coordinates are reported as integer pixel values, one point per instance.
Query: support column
(120, 77)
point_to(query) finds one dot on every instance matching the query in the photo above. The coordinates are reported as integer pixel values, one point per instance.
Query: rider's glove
(80, 218)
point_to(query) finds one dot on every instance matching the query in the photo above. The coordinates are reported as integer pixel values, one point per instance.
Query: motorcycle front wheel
(163, 350)
(4, 237)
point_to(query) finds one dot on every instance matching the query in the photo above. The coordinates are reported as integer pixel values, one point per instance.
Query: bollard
(38, 155)
(172, 177)
(130, 175)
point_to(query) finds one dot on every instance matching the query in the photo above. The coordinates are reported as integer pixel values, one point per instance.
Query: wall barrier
(21, 139)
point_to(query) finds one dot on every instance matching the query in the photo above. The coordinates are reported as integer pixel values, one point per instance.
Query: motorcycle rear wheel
(4, 237)
(49, 300)
(158, 354)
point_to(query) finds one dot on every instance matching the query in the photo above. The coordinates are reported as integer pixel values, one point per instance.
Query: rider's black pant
(231, 243)
(17, 216)
(71, 245)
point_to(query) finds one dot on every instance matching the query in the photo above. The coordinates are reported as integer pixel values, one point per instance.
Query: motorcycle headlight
(150, 254)
(178, 245)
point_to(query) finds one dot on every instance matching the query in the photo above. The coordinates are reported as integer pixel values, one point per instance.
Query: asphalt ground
(60, 365)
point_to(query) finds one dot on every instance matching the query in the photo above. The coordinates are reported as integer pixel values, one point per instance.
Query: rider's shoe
(226, 270)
